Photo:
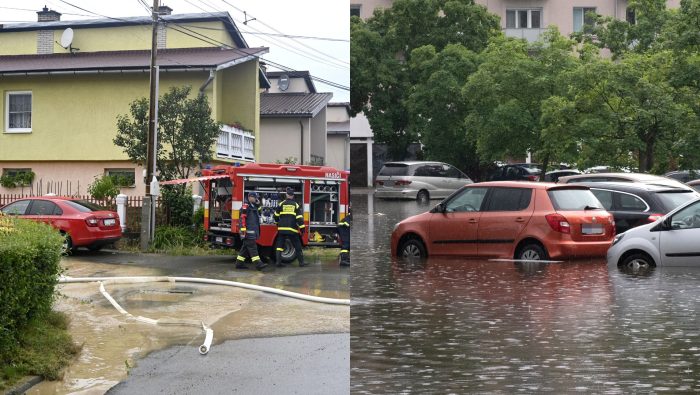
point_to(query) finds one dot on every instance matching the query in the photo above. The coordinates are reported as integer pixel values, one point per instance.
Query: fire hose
(209, 334)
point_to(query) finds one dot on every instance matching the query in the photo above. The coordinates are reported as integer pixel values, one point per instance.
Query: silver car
(673, 240)
(418, 180)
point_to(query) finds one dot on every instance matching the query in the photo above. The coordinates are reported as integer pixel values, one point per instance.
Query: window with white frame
(524, 18)
(583, 17)
(18, 112)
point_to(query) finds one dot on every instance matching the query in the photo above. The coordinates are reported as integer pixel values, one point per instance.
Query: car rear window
(572, 199)
(672, 199)
(394, 169)
(83, 206)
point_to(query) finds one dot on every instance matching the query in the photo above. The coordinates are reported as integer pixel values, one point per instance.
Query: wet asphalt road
(474, 326)
(318, 364)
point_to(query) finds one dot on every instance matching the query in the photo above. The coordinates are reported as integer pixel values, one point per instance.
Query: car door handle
(472, 221)
(520, 219)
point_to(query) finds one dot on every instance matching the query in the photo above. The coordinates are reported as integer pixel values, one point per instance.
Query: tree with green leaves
(381, 54)
(506, 98)
(186, 132)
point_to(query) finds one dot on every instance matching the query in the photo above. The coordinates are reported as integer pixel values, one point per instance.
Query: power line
(271, 34)
(27, 9)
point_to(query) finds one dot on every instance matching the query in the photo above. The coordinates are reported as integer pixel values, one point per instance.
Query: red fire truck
(322, 191)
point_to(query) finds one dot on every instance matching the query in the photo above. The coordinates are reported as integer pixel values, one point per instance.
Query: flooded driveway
(466, 326)
(114, 346)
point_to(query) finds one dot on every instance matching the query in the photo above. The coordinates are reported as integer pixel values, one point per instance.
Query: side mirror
(663, 225)
(440, 208)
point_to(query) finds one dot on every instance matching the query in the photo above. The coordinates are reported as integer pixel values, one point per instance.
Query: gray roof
(133, 20)
(185, 58)
(292, 105)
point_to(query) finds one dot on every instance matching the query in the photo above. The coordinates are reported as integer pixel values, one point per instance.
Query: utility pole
(149, 204)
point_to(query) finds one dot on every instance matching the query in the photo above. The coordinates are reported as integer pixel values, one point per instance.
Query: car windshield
(394, 169)
(573, 199)
(83, 206)
(672, 199)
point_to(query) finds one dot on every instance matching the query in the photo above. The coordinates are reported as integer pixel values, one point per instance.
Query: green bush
(103, 188)
(30, 255)
(178, 202)
(172, 237)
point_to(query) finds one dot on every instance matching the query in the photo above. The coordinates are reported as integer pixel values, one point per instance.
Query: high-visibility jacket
(249, 220)
(347, 221)
(289, 217)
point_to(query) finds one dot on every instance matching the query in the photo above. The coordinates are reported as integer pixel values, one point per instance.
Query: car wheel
(413, 249)
(532, 252)
(423, 196)
(638, 260)
(67, 246)
(95, 248)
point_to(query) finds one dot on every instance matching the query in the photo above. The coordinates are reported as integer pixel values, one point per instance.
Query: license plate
(219, 239)
(592, 229)
(110, 222)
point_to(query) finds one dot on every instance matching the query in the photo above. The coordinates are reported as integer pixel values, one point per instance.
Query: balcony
(531, 35)
(235, 143)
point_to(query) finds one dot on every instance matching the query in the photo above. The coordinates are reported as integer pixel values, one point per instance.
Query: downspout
(301, 158)
(207, 82)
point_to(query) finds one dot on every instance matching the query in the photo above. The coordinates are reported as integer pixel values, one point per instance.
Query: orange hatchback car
(520, 220)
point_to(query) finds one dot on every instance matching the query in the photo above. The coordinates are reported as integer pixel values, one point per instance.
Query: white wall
(280, 138)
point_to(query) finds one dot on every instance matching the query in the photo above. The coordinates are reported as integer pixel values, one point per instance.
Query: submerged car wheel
(423, 196)
(67, 246)
(532, 252)
(638, 260)
(412, 249)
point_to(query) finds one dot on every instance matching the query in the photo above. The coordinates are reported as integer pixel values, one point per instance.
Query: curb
(25, 386)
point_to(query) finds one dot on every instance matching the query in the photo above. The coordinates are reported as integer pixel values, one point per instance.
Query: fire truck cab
(322, 191)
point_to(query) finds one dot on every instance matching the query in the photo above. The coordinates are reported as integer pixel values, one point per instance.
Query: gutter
(102, 71)
(207, 82)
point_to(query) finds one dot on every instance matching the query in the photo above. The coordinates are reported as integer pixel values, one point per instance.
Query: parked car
(642, 178)
(418, 180)
(683, 175)
(554, 175)
(695, 184)
(507, 219)
(517, 172)
(634, 204)
(670, 241)
(83, 224)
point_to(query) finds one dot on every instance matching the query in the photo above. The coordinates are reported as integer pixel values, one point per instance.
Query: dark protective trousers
(344, 233)
(296, 242)
(249, 249)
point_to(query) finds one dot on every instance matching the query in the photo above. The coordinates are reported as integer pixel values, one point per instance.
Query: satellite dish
(283, 82)
(67, 38)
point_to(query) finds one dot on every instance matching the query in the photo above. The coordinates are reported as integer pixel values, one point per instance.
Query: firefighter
(249, 225)
(290, 226)
(344, 233)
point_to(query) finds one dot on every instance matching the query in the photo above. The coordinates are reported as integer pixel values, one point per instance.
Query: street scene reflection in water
(450, 325)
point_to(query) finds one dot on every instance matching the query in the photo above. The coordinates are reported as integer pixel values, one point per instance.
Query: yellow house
(63, 84)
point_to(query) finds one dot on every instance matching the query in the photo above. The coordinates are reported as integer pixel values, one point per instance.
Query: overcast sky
(327, 19)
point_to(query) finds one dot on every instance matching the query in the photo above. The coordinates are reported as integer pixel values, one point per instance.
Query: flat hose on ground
(209, 334)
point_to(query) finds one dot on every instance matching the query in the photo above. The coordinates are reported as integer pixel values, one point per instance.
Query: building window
(583, 17)
(524, 19)
(355, 9)
(122, 177)
(18, 112)
(12, 178)
(631, 16)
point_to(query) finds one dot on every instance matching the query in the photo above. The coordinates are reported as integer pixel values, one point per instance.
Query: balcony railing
(235, 143)
(530, 35)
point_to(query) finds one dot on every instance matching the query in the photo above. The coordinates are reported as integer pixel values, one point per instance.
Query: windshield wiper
(591, 208)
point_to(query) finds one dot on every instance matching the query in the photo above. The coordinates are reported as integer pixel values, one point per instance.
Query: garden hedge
(30, 255)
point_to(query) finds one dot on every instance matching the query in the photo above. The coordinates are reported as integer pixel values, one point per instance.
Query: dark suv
(517, 172)
(635, 204)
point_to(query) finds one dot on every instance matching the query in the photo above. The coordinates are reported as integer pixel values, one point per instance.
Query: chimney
(46, 15)
(165, 10)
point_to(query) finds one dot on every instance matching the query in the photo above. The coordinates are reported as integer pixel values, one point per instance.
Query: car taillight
(91, 221)
(402, 182)
(654, 217)
(558, 223)
(380, 183)
(533, 178)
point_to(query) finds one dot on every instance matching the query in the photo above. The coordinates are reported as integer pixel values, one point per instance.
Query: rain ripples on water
(456, 325)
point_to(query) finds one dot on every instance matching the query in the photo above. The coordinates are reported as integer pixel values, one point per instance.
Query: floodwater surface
(478, 326)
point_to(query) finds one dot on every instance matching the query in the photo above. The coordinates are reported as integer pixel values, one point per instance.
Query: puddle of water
(112, 343)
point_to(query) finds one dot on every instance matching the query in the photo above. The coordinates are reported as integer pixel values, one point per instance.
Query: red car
(84, 224)
(506, 219)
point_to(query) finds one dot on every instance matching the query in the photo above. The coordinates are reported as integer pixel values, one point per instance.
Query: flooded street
(113, 346)
(466, 326)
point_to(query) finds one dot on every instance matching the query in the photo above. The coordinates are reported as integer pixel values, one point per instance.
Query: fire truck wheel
(289, 252)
